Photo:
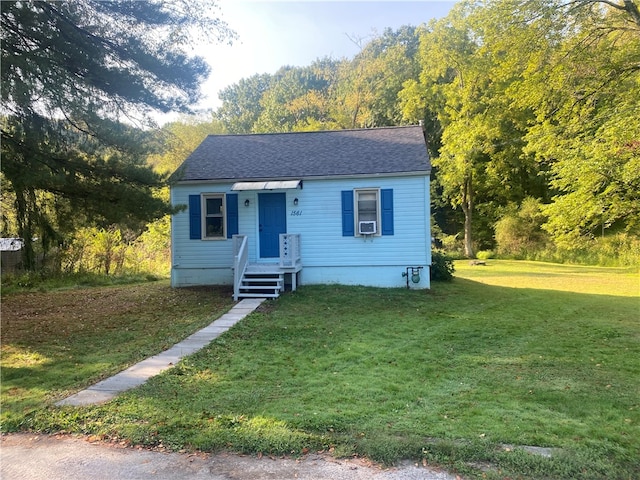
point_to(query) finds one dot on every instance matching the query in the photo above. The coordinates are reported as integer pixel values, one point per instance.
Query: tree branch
(628, 6)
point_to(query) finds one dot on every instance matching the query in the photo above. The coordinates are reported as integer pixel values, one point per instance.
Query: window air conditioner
(367, 228)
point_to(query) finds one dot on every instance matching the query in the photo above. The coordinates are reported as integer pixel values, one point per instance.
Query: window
(213, 218)
(212, 215)
(367, 211)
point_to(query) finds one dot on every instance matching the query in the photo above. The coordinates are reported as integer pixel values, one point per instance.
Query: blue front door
(272, 213)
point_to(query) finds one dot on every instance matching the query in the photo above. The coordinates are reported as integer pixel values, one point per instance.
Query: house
(349, 207)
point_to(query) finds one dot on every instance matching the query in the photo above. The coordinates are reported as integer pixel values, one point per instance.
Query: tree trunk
(25, 200)
(467, 208)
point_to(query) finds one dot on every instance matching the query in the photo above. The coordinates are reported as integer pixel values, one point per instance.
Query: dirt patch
(33, 318)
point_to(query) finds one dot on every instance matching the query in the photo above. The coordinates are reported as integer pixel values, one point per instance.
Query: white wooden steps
(262, 281)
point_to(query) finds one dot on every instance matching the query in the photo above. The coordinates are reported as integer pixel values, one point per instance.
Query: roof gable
(375, 151)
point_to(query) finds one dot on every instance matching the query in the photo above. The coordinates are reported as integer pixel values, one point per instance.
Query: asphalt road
(43, 457)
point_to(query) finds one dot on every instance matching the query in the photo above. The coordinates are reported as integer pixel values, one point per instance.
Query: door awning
(275, 185)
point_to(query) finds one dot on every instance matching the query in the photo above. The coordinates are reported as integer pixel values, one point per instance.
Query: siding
(187, 253)
(318, 220)
(320, 225)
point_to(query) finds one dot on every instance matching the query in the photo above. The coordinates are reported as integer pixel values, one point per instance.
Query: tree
(587, 129)
(241, 106)
(455, 84)
(394, 60)
(365, 93)
(328, 94)
(178, 139)
(287, 101)
(72, 74)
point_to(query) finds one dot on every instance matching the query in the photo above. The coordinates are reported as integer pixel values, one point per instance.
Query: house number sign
(296, 213)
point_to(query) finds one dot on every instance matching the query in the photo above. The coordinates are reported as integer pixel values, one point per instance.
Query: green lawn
(511, 353)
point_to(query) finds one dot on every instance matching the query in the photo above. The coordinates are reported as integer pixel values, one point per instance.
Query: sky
(275, 33)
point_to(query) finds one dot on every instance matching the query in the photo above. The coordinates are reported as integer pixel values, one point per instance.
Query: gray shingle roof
(374, 151)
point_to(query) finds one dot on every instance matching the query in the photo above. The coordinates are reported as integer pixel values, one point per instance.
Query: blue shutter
(195, 218)
(232, 214)
(386, 202)
(347, 214)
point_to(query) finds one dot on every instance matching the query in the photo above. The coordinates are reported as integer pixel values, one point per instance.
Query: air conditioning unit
(367, 228)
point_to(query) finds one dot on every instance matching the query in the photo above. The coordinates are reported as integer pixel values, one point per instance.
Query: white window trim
(356, 211)
(203, 219)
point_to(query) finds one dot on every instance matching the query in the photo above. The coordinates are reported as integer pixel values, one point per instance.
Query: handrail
(289, 250)
(240, 261)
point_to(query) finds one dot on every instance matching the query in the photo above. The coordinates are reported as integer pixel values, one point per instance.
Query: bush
(615, 250)
(453, 245)
(485, 255)
(519, 232)
(441, 267)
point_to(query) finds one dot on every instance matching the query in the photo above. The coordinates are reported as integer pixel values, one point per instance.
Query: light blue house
(349, 207)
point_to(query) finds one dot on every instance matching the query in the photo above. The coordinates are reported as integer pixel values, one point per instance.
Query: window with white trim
(367, 211)
(213, 217)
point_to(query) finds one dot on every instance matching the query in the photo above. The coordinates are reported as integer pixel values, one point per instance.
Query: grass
(58, 341)
(512, 353)
(35, 282)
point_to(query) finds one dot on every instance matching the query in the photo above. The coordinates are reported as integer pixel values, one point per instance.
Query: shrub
(485, 254)
(453, 245)
(519, 232)
(615, 250)
(441, 267)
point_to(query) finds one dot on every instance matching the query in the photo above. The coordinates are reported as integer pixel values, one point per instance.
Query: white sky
(275, 33)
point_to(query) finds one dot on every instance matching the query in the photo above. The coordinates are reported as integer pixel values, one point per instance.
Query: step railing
(240, 262)
(289, 250)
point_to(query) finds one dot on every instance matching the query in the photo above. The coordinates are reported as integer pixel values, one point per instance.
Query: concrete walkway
(140, 372)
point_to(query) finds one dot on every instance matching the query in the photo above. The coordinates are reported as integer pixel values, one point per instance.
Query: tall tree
(454, 82)
(241, 106)
(281, 103)
(72, 72)
(585, 98)
(178, 139)
(393, 59)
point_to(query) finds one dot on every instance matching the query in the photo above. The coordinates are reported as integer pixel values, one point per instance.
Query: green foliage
(114, 252)
(329, 94)
(68, 159)
(519, 232)
(241, 105)
(479, 164)
(485, 255)
(177, 140)
(584, 95)
(559, 124)
(95, 250)
(442, 267)
(617, 250)
(151, 251)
